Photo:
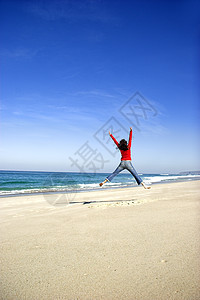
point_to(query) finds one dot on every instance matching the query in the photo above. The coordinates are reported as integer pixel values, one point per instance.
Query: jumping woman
(125, 163)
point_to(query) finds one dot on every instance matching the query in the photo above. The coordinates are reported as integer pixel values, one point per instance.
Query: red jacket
(126, 154)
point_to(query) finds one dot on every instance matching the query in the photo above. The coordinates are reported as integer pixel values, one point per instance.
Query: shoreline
(92, 189)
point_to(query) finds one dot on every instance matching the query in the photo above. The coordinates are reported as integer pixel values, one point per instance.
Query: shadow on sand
(103, 201)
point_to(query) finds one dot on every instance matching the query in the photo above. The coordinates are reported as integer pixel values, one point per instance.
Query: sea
(32, 182)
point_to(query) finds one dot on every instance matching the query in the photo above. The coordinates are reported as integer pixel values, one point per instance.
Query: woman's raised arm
(115, 141)
(130, 138)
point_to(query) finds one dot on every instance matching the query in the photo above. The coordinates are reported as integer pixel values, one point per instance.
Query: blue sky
(67, 68)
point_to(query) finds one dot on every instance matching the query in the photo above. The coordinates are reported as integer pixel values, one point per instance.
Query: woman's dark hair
(123, 145)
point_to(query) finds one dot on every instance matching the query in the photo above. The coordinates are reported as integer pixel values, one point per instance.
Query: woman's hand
(130, 128)
(109, 133)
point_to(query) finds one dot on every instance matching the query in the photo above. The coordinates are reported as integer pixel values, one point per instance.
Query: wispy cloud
(97, 93)
(19, 53)
(36, 115)
(70, 76)
(71, 11)
(50, 112)
(2, 107)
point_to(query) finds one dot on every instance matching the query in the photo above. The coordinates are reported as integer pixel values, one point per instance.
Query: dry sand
(125, 244)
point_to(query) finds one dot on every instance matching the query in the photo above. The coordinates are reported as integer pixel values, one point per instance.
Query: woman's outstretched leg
(103, 182)
(138, 179)
(145, 186)
(111, 176)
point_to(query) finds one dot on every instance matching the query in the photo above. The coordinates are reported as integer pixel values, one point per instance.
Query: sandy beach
(107, 244)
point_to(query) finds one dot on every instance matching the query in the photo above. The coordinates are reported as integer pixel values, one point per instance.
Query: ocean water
(23, 182)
